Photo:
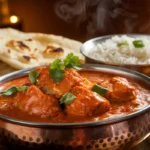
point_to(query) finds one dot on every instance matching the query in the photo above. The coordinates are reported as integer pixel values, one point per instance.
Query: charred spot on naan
(9, 51)
(29, 39)
(27, 58)
(52, 51)
(17, 45)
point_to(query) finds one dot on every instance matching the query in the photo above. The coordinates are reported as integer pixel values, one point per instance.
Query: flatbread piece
(24, 50)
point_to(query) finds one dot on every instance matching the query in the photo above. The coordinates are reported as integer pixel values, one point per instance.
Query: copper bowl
(116, 133)
(90, 44)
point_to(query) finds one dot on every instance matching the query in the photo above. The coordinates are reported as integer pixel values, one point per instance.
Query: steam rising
(71, 9)
(101, 16)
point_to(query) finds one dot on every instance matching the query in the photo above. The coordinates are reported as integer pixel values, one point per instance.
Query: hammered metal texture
(121, 135)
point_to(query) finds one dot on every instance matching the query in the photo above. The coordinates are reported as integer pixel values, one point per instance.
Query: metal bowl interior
(94, 67)
(91, 44)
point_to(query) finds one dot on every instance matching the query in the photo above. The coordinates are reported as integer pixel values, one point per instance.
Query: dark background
(39, 16)
(120, 16)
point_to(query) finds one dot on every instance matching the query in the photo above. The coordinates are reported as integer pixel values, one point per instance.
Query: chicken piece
(87, 103)
(119, 89)
(33, 101)
(71, 79)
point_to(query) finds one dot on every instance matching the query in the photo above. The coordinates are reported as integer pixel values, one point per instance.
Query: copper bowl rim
(24, 72)
(106, 37)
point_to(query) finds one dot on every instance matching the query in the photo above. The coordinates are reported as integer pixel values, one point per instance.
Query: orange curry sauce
(40, 103)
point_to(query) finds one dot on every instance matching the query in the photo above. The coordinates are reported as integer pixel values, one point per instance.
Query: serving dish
(91, 44)
(119, 133)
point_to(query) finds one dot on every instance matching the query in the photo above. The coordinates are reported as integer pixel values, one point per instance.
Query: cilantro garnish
(68, 98)
(13, 90)
(58, 66)
(71, 61)
(100, 90)
(33, 75)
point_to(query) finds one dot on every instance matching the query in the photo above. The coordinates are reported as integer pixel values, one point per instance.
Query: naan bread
(24, 50)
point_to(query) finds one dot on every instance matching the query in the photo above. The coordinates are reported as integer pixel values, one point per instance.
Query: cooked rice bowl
(122, 50)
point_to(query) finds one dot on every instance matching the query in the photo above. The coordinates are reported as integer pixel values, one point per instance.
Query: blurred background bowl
(90, 46)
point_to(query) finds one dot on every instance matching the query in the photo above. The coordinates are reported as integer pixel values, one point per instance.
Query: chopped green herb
(67, 98)
(58, 66)
(22, 88)
(70, 61)
(57, 75)
(100, 90)
(13, 90)
(33, 75)
(10, 91)
(125, 43)
(57, 70)
(138, 43)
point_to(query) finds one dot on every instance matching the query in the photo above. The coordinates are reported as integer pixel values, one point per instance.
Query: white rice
(109, 51)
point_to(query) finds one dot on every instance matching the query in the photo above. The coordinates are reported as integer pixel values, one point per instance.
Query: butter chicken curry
(63, 93)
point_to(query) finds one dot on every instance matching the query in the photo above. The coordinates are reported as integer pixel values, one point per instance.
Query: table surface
(145, 145)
